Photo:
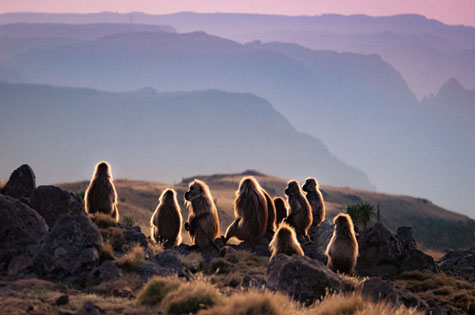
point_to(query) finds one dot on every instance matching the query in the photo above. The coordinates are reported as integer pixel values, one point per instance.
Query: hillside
(433, 226)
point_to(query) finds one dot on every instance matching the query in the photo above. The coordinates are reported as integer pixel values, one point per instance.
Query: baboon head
(168, 195)
(343, 222)
(311, 184)
(292, 188)
(195, 189)
(248, 184)
(102, 169)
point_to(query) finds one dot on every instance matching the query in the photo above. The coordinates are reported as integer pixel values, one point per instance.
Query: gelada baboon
(342, 251)
(270, 212)
(285, 241)
(315, 198)
(101, 195)
(300, 216)
(203, 221)
(166, 220)
(280, 209)
(250, 211)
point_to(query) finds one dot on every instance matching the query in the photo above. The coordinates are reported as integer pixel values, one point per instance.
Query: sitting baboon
(315, 198)
(250, 211)
(342, 251)
(285, 241)
(280, 209)
(166, 220)
(300, 216)
(203, 221)
(101, 195)
(270, 212)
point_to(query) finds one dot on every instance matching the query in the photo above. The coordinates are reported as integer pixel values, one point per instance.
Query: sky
(448, 11)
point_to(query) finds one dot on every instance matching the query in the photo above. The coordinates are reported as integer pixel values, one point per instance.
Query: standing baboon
(270, 212)
(166, 220)
(342, 251)
(300, 216)
(315, 198)
(280, 209)
(285, 241)
(203, 221)
(101, 195)
(250, 211)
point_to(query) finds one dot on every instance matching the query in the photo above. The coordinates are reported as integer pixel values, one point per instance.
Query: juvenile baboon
(101, 195)
(250, 211)
(280, 209)
(285, 241)
(270, 212)
(203, 221)
(300, 216)
(342, 251)
(166, 220)
(315, 198)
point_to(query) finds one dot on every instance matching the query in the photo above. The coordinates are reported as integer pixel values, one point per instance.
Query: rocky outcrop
(107, 271)
(134, 235)
(320, 237)
(460, 264)
(21, 183)
(20, 229)
(52, 203)
(301, 277)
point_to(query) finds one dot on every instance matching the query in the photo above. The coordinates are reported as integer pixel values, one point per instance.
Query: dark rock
(124, 292)
(251, 281)
(89, 308)
(460, 264)
(320, 237)
(261, 248)
(20, 230)
(70, 251)
(415, 259)
(21, 184)
(52, 203)
(437, 309)
(107, 271)
(166, 263)
(301, 277)
(133, 234)
(62, 300)
(406, 240)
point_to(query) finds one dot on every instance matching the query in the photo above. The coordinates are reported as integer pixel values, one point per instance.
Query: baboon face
(194, 191)
(292, 188)
(310, 185)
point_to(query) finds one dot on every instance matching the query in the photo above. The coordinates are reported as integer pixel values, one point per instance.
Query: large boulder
(301, 277)
(415, 259)
(21, 184)
(52, 203)
(107, 271)
(320, 237)
(70, 251)
(20, 229)
(406, 240)
(134, 235)
(460, 264)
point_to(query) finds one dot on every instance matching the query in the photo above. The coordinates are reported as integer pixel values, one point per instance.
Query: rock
(21, 183)
(261, 247)
(133, 234)
(107, 271)
(89, 308)
(406, 240)
(251, 281)
(70, 251)
(62, 300)
(460, 264)
(320, 237)
(52, 203)
(377, 289)
(301, 277)
(20, 230)
(415, 259)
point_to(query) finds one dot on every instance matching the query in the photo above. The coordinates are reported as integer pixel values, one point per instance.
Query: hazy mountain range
(359, 106)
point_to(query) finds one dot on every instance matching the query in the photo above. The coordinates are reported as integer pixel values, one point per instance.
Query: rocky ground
(56, 259)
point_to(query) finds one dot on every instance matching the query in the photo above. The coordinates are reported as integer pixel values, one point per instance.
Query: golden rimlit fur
(342, 251)
(203, 221)
(101, 195)
(166, 220)
(300, 216)
(270, 212)
(285, 241)
(280, 209)
(315, 198)
(250, 211)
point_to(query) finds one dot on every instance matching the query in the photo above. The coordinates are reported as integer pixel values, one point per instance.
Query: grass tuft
(157, 288)
(133, 260)
(106, 252)
(128, 220)
(103, 220)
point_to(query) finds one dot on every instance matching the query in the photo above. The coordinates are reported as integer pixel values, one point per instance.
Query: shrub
(106, 252)
(103, 220)
(81, 193)
(115, 236)
(128, 220)
(192, 297)
(133, 260)
(157, 288)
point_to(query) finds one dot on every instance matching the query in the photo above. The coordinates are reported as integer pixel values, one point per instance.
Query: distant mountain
(63, 132)
(425, 51)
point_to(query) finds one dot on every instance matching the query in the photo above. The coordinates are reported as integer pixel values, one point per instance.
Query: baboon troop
(250, 211)
(342, 251)
(280, 209)
(101, 195)
(300, 216)
(315, 198)
(203, 221)
(285, 241)
(166, 220)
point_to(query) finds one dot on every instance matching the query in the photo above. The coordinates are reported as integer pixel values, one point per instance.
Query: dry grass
(102, 220)
(114, 236)
(436, 254)
(133, 260)
(106, 252)
(157, 288)
(194, 261)
(192, 297)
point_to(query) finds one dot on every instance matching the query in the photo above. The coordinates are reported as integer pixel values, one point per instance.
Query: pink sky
(447, 11)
